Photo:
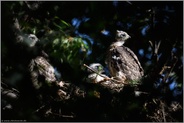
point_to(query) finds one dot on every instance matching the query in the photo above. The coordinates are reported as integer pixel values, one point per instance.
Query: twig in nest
(43, 106)
(172, 67)
(163, 111)
(39, 108)
(11, 88)
(60, 115)
(155, 48)
(164, 68)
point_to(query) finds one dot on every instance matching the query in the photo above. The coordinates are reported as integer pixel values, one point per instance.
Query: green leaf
(65, 23)
(56, 41)
(57, 25)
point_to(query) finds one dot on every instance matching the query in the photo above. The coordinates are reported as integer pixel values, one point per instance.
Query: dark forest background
(76, 33)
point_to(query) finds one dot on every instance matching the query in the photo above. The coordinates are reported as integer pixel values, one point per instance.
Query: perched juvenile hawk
(41, 68)
(123, 64)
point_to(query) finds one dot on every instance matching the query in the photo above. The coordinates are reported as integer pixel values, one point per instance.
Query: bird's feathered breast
(122, 59)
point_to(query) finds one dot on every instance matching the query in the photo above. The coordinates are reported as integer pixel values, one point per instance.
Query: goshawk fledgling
(102, 79)
(123, 64)
(41, 68)
(94, 77)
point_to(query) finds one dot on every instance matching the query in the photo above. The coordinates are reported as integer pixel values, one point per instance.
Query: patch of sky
(172, 85)
(89, 51)
(148, 63)
(141, 52)
(157, 84)
(174, 50)
(148, 55)
(129, 25)
(177, 92)
(159, 81)
(115, 3)
(119, 24)
(105, 32)
(163, 75)
(99, 44)
(106, 71)
(149, 49)
(167, 9)
(76, 22)
(155, 22)
(159, 55)
(84, 36)
(165, 20)
(144, 30)
(57, 73)
(181, 59)
(85, 19)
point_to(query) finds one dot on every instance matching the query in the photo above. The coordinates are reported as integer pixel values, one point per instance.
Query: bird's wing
(129, 59)
(123, 63)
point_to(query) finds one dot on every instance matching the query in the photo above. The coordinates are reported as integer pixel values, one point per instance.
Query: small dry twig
(172, 67)
(163, 111)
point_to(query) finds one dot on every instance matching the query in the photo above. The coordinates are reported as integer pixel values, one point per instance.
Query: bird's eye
(123, 35)
(32, 38)
(99, 68)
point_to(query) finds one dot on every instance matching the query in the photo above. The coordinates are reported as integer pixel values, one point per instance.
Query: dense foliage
(77, 33)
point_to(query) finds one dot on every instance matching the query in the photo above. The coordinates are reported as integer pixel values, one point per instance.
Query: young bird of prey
(97, 76)
(123, 64)
(94, 77)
